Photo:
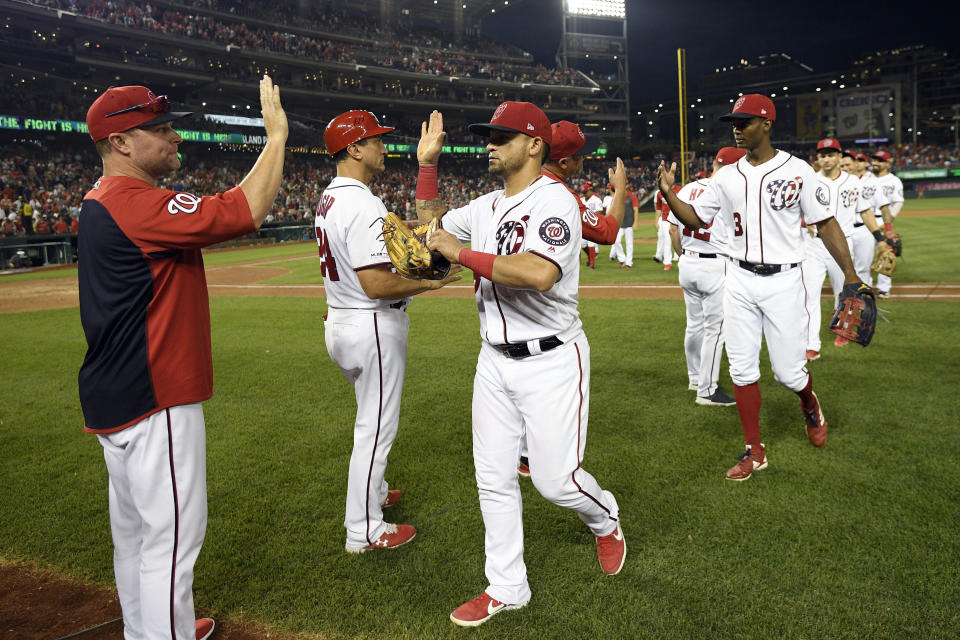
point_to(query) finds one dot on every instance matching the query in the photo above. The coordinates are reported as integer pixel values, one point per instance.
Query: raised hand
(618, 177)
(665, 178)
(274, 117)
(432, 136)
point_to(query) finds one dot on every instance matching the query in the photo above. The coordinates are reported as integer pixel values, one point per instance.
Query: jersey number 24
(328, 266)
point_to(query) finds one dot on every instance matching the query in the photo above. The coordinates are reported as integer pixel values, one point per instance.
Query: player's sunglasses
(157, 105)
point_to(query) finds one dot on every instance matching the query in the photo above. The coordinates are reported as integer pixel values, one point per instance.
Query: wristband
(477, 261)
(887, 226)
(878, 235)
(427, 187)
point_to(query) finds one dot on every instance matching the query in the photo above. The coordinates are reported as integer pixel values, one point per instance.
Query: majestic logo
(555, 231)
(183, 203)
(823, 197)
(326, 201)
(849, 197)
(784, 193)
(510, 236)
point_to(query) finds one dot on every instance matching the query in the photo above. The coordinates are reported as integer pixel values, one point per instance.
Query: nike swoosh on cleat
(492, 609)
(617, 534)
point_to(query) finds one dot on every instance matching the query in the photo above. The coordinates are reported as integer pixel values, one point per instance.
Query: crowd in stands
(41, 190)
(416, 54)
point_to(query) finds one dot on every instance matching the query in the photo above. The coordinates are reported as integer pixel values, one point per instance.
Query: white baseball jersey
(594, 203)
(892, 188)
(845, 202)
(544, 219)
(871, 193)
(605, 206)
(711, 239)
(765, 206)
(349, 225)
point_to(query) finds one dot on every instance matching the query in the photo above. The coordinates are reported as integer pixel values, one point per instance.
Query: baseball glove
(856, 319)
(885, 261)
(893, 239)
(408, 250)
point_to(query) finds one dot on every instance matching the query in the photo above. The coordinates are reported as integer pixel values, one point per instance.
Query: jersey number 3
(737, 224)
(328, 266)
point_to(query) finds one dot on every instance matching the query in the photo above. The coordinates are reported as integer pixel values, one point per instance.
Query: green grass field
(859, 539)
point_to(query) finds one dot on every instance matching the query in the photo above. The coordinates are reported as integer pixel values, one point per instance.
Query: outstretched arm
(681, 209)
(261, 185)
(432, 135)
(523, 270)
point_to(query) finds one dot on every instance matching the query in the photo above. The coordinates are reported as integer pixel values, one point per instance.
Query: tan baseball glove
(885, 261)
(408, 250)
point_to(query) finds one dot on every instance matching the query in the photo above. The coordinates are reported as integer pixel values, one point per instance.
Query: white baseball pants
(702, 282)
(624, 252)
(817, 264)
(772, 307)
(664, 245)
(864, 247)
(158, 518)
(546, 397)
(370, 347)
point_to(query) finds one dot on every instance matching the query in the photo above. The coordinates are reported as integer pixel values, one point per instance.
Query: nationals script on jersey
(765, 206)
(543, 219)
(871, 191)
(712, 239)
(350, 238)
(845, 201)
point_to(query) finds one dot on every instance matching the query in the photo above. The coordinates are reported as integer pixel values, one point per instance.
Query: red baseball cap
(350, 127)
(586, 186)
(569, 140)
(829, 144)
(729, 155)
(520, 117)
(752, 105)
(882, 155)
(120, 109)
(862, 157)
(850, 153)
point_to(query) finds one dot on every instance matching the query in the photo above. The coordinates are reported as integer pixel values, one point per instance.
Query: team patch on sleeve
(183, 203)
(555, 231)
(823, 197)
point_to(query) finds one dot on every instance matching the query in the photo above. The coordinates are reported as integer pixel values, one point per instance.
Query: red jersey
(143, 297)
(597, 227)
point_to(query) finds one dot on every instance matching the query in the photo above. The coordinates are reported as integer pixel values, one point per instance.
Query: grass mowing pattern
(858, 539)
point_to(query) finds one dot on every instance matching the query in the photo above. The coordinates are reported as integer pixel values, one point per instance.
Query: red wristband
(477, 261)
(887, 226)
(427, 187)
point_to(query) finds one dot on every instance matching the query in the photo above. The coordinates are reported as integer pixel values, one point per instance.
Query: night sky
(824, 35)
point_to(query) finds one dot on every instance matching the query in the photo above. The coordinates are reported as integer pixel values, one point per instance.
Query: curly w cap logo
(499, 111)
(739, 103)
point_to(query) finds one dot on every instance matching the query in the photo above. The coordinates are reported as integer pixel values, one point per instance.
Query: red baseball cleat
(840, 341)
(394, 536)
(612, 551)
(524, 470)
(816, 423)
(393, 497)
(667, 267)
(205, 628)
(750, 461)
(812, 355)
(479, 610)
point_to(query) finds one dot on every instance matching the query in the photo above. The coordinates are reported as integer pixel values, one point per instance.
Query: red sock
(591, 256)
(748, 406)
(807, 403)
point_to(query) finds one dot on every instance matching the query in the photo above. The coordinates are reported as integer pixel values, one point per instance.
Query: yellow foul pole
(682, 88)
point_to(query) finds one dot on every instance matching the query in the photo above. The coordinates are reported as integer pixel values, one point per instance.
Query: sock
(807, 403)
(591, 255)
(748, 406)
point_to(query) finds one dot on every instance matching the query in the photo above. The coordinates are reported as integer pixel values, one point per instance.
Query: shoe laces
(390, 527)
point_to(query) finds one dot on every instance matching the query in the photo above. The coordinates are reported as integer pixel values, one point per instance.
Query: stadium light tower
(594, 43)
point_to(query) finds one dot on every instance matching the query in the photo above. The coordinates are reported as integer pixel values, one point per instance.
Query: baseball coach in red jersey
(148, 366)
